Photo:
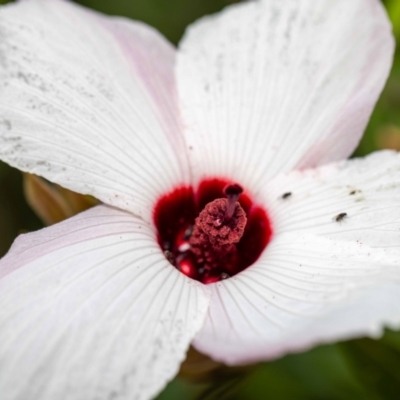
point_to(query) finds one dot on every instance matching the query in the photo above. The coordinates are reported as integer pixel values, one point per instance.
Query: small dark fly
(340, 217)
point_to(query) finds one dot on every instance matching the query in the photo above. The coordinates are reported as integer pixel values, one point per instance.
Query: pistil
(218, 228)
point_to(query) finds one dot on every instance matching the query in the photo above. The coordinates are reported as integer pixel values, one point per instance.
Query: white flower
(263, 94)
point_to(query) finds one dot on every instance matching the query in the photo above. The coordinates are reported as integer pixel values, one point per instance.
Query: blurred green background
(365, 368)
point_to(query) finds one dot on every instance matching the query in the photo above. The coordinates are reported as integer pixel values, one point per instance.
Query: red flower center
(211, 234)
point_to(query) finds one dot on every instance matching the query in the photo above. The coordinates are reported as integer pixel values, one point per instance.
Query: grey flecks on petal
(275, 14)
(289, 28)
(51, 95)
(388, 186)
(52, 80)
(23, 77)
(95, 79)
(83, 95)
(5, 124)
(169, 328)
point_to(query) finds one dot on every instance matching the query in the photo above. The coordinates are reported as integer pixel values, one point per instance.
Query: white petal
(89, 102)
(305, 290)
(320, 279)
(275, 85)
(91, 309)
(367, 190)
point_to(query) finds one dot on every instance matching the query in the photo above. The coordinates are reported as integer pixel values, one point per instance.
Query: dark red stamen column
(227, 236)
(217, 230)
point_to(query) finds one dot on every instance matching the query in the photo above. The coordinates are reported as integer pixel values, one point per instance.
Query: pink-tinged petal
(91, 309)
(274, 85)
(331, 272)
(304, 291)
(89, 102)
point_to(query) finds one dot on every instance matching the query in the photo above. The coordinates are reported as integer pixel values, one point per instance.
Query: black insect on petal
(340, 217)
(286, 195)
